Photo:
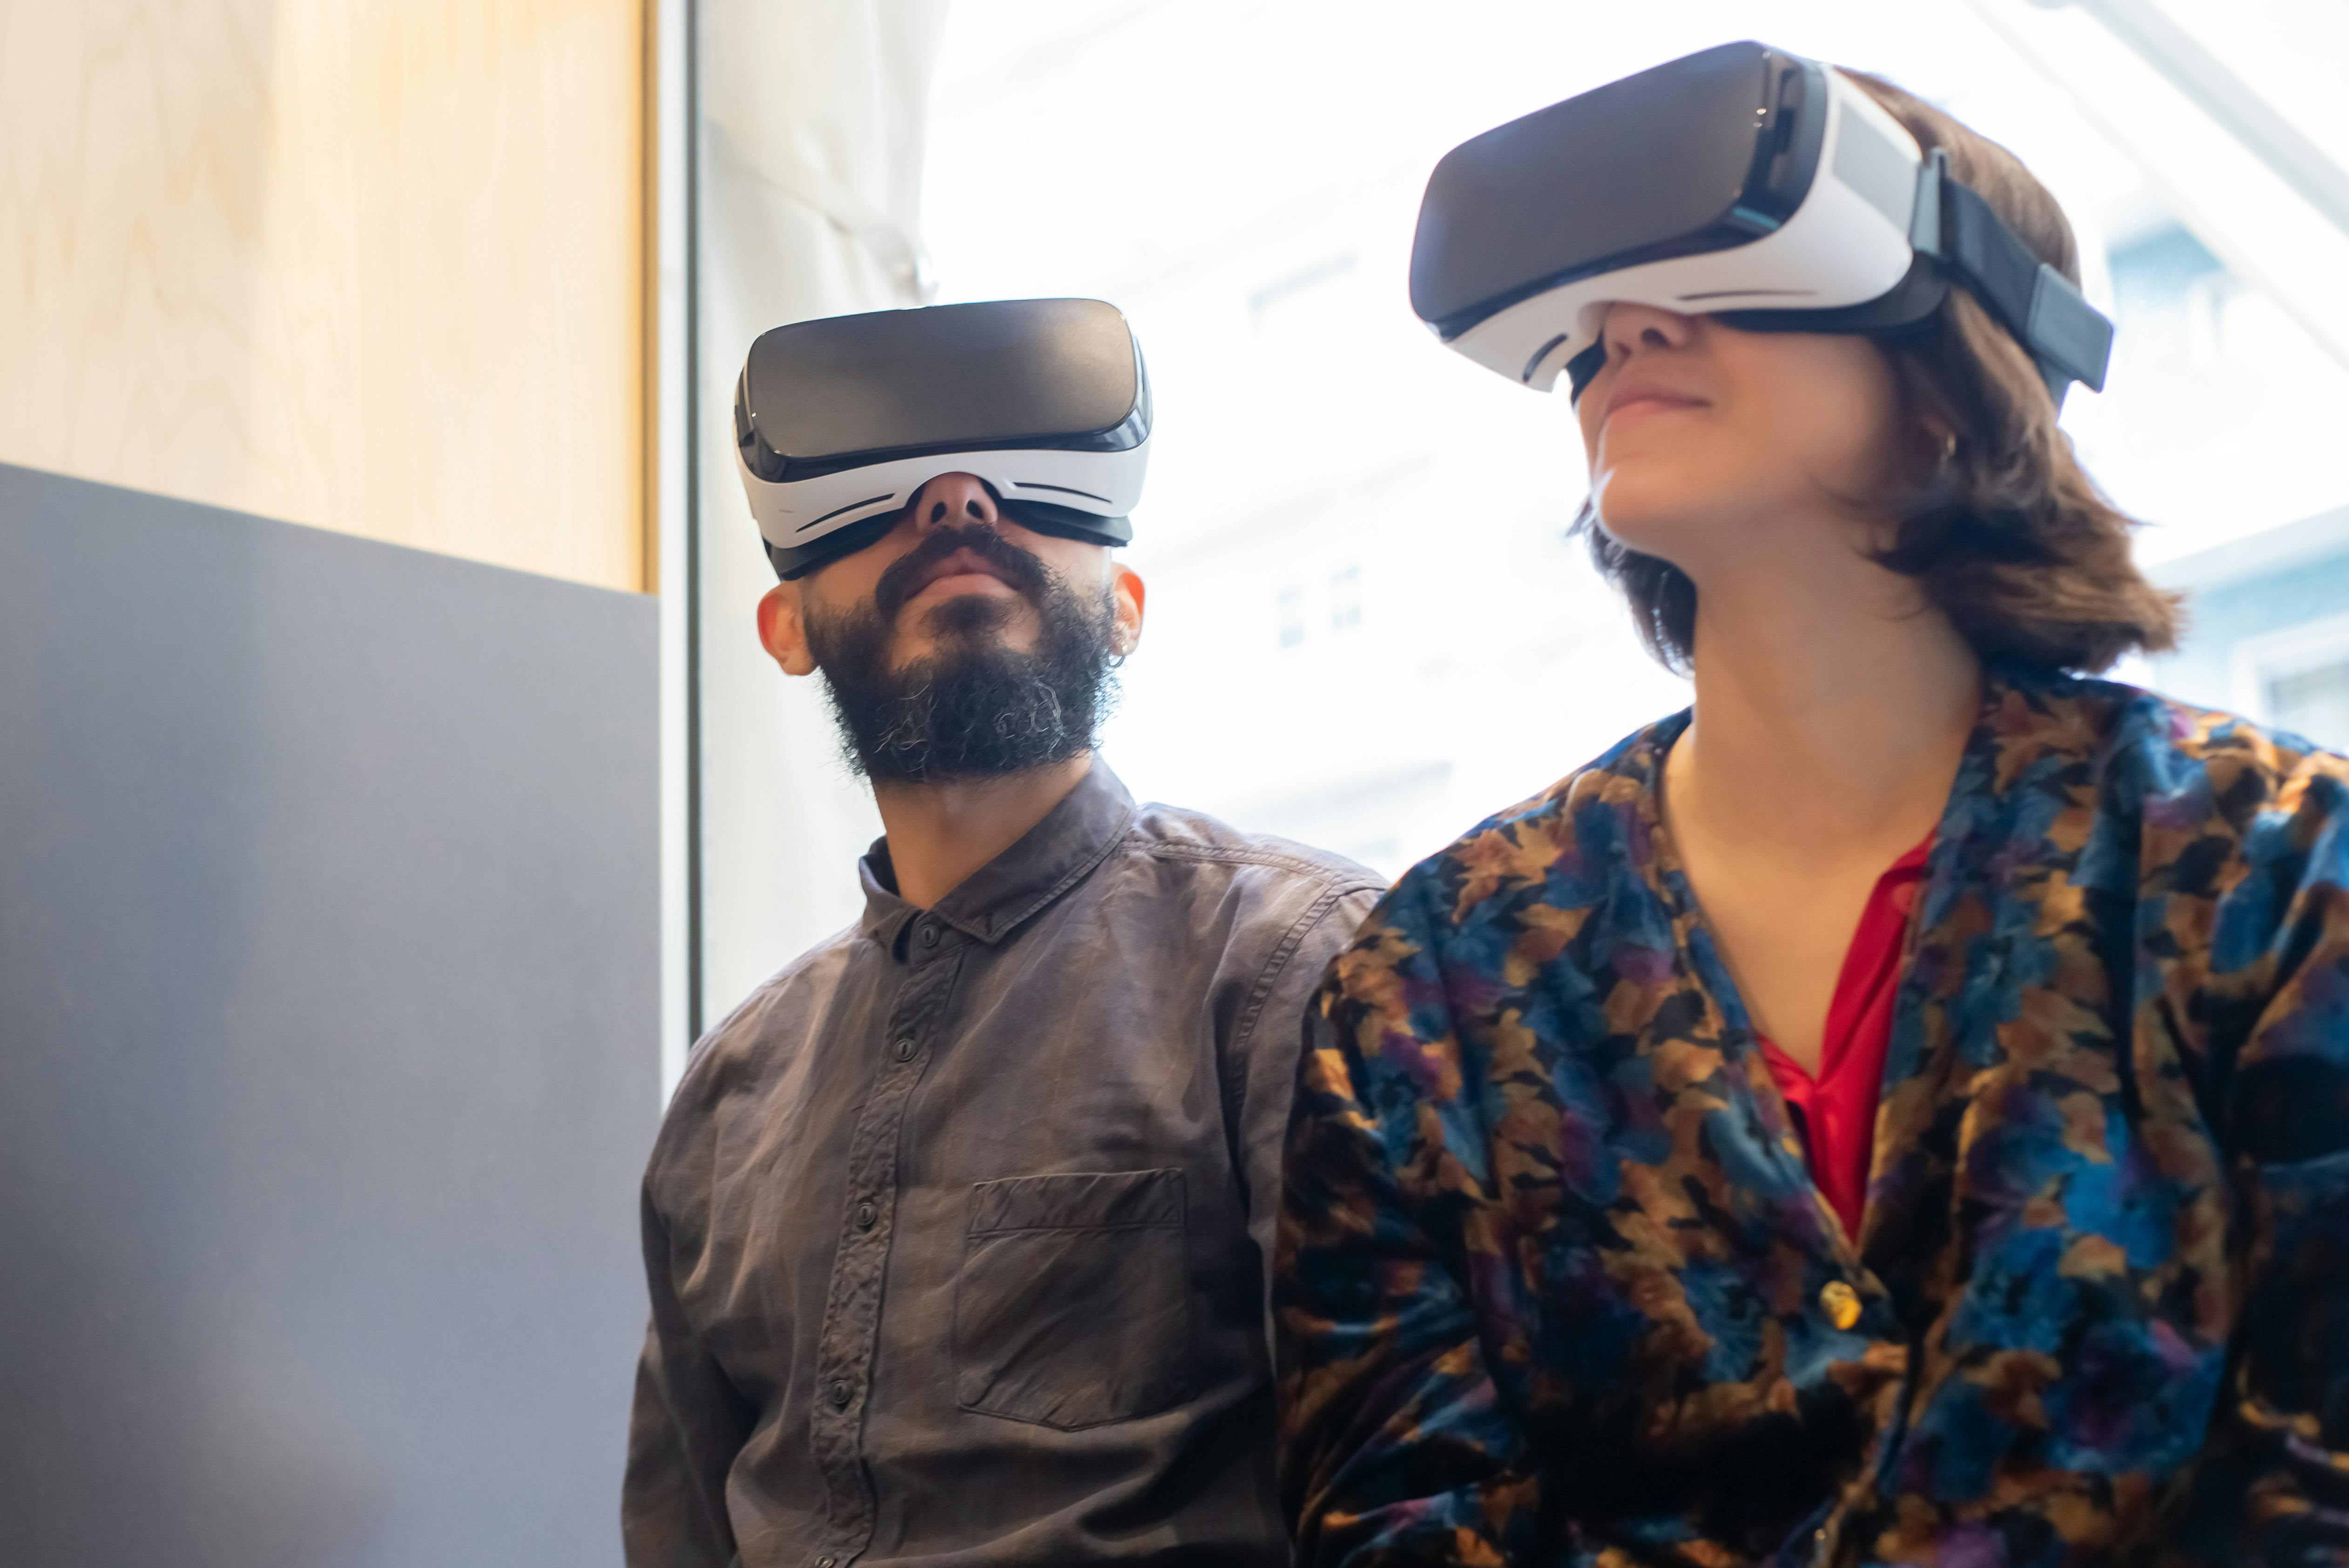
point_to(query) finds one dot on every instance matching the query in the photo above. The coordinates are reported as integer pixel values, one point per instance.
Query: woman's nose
(1629, 326)
(953, 501)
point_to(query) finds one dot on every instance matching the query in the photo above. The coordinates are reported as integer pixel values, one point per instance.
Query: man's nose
(953, 500)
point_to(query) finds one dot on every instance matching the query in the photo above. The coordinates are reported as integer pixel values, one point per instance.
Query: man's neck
(940, 833)
(1830, 716)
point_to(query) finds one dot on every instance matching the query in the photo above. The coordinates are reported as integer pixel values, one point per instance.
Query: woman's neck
(1832, 707)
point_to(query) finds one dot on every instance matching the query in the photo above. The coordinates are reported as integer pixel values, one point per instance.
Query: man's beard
(974, 708)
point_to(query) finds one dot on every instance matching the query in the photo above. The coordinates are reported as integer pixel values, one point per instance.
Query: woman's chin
(1660, 508)
(1649, 523)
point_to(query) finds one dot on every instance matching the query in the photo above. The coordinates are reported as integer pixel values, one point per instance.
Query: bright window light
(1368, 626)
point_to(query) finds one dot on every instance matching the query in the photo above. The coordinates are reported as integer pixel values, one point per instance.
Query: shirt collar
(1051, 857)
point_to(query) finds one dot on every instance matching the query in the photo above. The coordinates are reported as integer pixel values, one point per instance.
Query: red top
(1837, 1110)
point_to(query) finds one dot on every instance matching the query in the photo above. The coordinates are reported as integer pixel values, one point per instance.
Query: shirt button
(841, 1394)
(1840, 1303)
(929, 935)
(827, 1562)
(905, 1049)
(865, 1216)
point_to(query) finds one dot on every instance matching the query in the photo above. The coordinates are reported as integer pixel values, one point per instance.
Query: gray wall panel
(328, 1044)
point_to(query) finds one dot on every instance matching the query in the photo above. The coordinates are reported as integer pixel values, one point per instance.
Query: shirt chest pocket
(1073, 1306)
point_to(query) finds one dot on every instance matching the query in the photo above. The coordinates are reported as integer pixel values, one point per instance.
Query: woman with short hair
(1896, 1111)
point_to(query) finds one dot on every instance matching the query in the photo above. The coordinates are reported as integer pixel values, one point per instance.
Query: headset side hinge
(1925, 219)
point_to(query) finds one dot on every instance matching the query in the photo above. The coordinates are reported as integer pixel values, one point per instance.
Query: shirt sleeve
(688, 1424)
(1274, 1044)
(2273, 1482)
(1396, 1445)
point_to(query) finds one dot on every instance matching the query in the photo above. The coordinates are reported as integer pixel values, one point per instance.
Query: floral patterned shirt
(1555, 1285)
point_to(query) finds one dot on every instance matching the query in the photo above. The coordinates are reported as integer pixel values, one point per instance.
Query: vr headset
(1741, 182)
(838, 421)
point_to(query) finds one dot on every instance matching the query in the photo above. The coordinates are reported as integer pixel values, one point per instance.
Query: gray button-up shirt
(957, 1230)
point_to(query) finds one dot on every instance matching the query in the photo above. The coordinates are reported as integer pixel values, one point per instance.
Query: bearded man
(957, 1231)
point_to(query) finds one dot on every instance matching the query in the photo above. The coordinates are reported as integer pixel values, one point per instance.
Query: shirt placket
(852, 1316)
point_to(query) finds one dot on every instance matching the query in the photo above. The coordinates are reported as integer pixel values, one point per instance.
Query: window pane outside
(1367, 626)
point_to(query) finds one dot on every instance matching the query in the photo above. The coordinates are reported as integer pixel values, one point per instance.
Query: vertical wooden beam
(648, 344)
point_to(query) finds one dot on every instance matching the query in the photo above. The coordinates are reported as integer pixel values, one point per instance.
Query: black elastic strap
(2069, 337)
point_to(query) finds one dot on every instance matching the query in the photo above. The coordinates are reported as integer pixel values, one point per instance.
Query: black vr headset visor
(838, 421)
(1740, 181)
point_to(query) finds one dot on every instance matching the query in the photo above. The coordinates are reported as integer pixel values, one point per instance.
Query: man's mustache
(901, 580)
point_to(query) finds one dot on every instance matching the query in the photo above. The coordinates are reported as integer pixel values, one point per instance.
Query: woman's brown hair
(2008, 537)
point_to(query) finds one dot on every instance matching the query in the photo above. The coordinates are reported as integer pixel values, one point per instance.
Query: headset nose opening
(955, 500)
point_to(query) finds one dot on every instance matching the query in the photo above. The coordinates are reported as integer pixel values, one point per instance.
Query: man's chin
(956, 646)
(951, 630)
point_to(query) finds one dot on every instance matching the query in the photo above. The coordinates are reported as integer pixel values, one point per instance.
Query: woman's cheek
(1586, 421)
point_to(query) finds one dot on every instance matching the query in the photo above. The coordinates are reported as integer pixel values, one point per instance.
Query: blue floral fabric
(1555, 1285)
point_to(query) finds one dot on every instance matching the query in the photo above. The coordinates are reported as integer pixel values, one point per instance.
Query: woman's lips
(1644, 406)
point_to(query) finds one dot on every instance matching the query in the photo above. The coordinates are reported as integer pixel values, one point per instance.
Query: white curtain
(813, 117)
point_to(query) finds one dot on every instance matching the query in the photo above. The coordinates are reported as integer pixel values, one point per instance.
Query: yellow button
(1840, 1303)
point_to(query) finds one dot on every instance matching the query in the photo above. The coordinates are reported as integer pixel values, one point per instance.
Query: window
(2173, 293)
(1345, 598)
(2313, 702)
(2296, 677)
(1249, 176)
(1292, 617)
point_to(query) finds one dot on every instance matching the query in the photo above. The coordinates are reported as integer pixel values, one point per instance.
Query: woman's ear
(1126, 595)
(783, 629)
(1937, 446)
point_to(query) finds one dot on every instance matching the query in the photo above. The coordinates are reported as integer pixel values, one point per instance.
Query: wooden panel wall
(372, 264)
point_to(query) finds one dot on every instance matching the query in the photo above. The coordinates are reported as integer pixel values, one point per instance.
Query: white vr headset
(838, 421)
(1740, 181)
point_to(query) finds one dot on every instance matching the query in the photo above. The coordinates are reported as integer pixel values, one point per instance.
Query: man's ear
(783, 629)
(1126, 595)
